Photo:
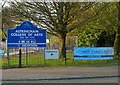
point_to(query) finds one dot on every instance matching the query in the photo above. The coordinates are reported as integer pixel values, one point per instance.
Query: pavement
(62, 73)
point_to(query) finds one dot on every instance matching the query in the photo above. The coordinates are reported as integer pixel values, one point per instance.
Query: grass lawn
(37, 59)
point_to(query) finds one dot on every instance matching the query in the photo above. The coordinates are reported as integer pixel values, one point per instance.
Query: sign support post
(8, 57)
(65, 61)
(20, 55)
(65, 57)
(44, 58)
(26, 56)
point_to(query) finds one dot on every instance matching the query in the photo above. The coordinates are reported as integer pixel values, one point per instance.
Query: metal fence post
(8, 55)
(26, 56)
(44, 58)
(65, 56)
(20, 55)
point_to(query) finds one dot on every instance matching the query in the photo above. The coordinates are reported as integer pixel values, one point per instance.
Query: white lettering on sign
(18, 34)
(30, 34)
(51, 51)
(38, 34)
(27, 31)
(26, 34)
(29, 45)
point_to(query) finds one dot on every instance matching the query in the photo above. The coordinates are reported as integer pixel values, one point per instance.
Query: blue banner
(26, 35)
(93, 53)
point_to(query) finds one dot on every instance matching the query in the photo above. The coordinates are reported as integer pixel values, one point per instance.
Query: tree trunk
(117, 38)
(62, 46)
(3, 32)
(117, 44)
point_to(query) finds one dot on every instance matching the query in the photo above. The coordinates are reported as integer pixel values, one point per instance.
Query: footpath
(32, 74)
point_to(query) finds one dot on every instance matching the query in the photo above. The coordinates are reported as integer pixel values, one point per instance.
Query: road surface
(38, 75)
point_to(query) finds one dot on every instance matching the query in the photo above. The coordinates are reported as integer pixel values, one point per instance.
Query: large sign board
(51, 54)
(93, 53)
(26, 35)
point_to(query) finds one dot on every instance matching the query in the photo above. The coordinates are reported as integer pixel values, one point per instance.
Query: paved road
(101, 80)
(38, 73)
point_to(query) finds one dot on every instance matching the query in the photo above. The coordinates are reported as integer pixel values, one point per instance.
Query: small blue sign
(93, 53)
(1, 52)
(26, 35)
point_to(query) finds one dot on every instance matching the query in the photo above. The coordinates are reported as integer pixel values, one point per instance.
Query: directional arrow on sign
(51, 54)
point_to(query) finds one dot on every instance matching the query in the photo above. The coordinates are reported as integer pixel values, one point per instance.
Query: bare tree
(59, 18)
(2, 4)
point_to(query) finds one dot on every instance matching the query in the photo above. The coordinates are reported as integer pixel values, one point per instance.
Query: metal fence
(71, 42)
(31, 57)
(35, 56)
